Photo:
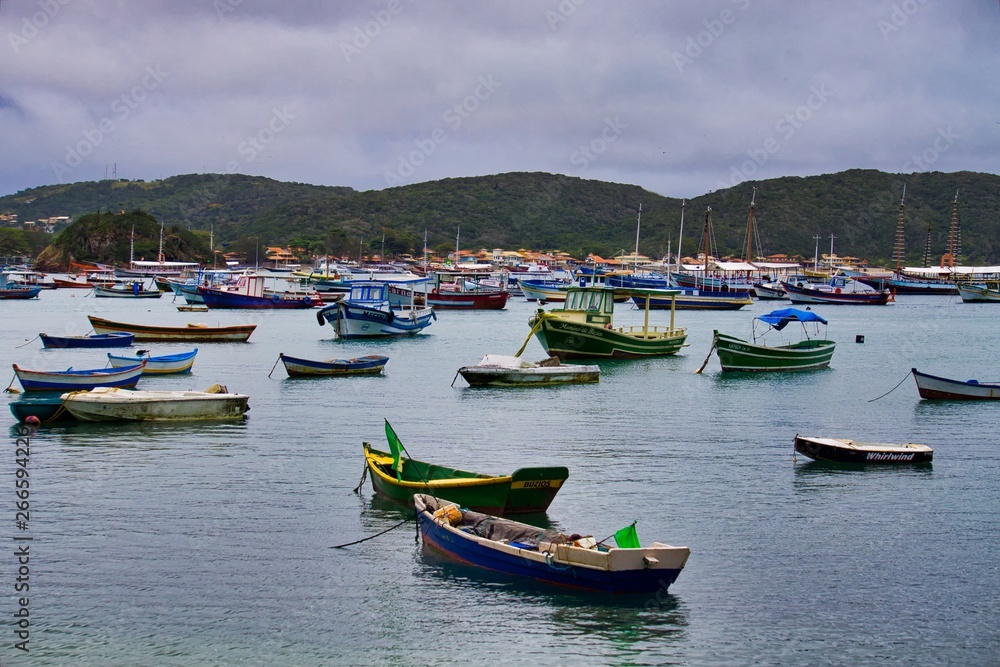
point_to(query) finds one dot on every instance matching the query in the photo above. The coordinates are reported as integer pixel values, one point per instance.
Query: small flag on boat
(396, 447)
(627, 537)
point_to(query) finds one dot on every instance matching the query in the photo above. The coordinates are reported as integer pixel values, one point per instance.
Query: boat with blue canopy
(811, 352)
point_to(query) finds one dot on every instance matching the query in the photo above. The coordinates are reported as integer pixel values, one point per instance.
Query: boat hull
(739, 355)
(620, 570)
(372, 364)
(190, 334)
(575, 340)
(812, 295)
(692, 299)
(113, 339)
(978, 294)
(214, 298)
(19, 292)
(46, 408)
(525, 491)
(78, 380)
(115, 405)
(483, 300)
(837, 450)
(171, 364)
(485, 376)
(934, 387)
(351, 320)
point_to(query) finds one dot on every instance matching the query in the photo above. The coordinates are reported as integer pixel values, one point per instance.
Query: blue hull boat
(70, 380)
(521, 550)
(371, 364)
(45, 407)
(116, 339)
(168, 364)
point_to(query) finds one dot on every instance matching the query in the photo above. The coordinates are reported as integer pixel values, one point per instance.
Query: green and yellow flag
(627, 537)
(396, 447)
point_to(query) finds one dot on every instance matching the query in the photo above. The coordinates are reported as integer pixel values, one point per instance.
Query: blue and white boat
(71, 380)
(371, 364)
(550, 556)
(167, 364)
(366, 313)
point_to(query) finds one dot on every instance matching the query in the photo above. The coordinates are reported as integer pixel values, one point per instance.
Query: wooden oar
(714, 341)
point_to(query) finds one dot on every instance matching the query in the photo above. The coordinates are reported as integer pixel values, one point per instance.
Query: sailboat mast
(708, 243)
(131, 250)
(927, 247)
(750, 232)
(900, 249)
(457, 235)
(954, 235)
(635, 257)
(159, 254)
(680, 237)
(425, 250)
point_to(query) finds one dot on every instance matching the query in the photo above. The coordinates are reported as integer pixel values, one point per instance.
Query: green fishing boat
(584, 328)
(524, 491)
(736, 354)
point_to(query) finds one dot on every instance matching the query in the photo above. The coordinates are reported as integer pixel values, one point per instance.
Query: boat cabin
(369, 292)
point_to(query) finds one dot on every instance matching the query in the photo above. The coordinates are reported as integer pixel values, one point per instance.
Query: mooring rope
(371, 537)
(891, 390)
(30, 341)
(364, 476)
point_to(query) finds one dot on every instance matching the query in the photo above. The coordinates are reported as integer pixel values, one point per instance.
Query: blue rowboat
(43, 406)
(518, 549)
(371, 364)
(168, 364)
(114, 339)
(71, 380)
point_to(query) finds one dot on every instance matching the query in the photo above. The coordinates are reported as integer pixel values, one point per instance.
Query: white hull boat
(502, 371)
(105, 404)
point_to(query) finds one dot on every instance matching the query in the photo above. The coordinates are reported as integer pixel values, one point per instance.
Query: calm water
(209, 544)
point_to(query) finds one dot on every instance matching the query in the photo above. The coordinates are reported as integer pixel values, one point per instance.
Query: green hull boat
(736, 354)
(584, 327)
(526, 490)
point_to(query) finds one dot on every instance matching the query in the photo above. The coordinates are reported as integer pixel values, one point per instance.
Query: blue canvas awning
(779, 318)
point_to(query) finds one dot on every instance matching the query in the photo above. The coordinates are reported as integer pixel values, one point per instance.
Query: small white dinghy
(497, 370)
(109, 404)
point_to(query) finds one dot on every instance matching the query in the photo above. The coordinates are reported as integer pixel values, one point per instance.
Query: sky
(680, 98)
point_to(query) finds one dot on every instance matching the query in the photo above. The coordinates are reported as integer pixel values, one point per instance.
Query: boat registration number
(537, 484)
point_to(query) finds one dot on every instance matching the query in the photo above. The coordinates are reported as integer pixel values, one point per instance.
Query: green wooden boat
(583, 328)
(736, 354)
(524, 491)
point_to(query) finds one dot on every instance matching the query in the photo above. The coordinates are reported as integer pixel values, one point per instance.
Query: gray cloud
(677, 99)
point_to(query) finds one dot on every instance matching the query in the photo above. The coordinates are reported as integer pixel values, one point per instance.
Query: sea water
(201, 543)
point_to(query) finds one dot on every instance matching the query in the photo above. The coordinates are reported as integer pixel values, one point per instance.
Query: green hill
(544, 211)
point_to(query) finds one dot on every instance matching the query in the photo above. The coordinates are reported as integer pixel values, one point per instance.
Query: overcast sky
(680, 98)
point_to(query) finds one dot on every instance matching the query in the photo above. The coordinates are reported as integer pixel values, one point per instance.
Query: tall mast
(927, 248)
(816, 256)
(457, 235)
(708, 243)
(425, 250)
(131, 249)
(900, 249)
(831, 250)
(954, 236)
(680, 237)
(635, 257)
(159, 254)
(750, 232)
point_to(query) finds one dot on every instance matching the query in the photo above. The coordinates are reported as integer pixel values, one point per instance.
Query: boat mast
(927, 247)
(750, 230)
(159, 254)
(954, 237)
(131, 249)
(816, 256)
(900, 249)
(635, 257)
(425, 250)
(708, 245)
(831, 250)
(680, 237)
(458, 233)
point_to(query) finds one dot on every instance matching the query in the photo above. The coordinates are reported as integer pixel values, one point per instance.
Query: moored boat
(845, 450)
(133, 290)
(583, 328)
(934, 387)
(71, 380)
(167, 364)
(736, 354)
(549, 556)
(107, 404)
(112, 339)
(45, 407)
(526, 490)
(371, 364)
(366, 313)
(192, 333)
(497, 370)
(250, 292)
(979, 292)
(838, 290)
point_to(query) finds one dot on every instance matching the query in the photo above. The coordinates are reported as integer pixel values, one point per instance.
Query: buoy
(33, 420)
(859, 338)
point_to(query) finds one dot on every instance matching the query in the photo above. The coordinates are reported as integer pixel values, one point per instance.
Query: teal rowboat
(583, 328)
(736, 354)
